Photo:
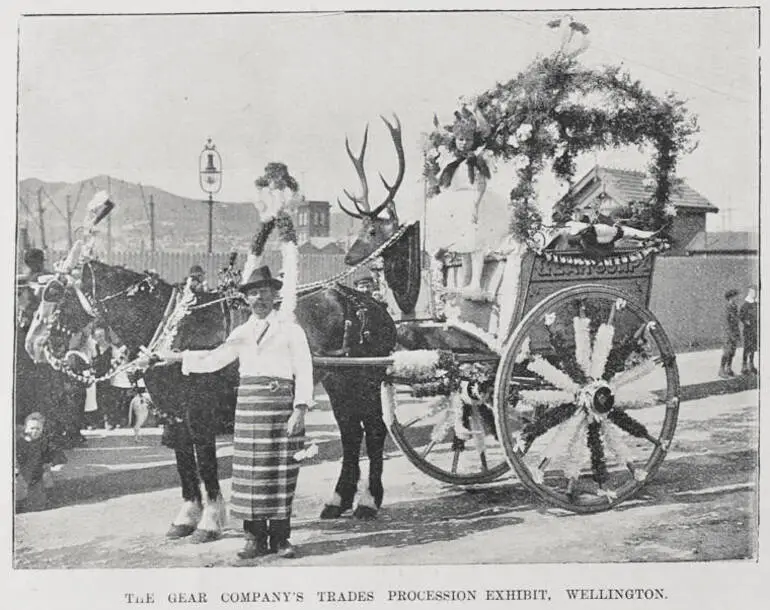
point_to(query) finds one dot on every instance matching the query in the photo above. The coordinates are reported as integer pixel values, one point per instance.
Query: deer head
(375, 230)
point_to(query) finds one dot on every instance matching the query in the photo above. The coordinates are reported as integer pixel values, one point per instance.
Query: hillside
(181, 224)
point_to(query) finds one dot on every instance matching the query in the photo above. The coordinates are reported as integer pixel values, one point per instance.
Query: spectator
(749, 314)
(363, 281)
(732, 334)
(121, 392)
(196, 279)
(100, 351)
(34, 259)
(35, 458)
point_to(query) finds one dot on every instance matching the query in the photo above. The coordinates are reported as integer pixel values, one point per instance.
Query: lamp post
(210, 172)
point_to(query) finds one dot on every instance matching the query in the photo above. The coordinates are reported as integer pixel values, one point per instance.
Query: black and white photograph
(383, 292)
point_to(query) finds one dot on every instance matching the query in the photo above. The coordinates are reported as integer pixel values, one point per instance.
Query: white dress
(449, 216)
(450, 213)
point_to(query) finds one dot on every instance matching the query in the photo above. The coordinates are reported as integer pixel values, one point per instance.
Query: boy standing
(732, 334)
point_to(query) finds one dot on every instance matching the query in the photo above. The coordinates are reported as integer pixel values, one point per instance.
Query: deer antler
(362, 203)
(347, 211)
(395, 134)
(358, 163)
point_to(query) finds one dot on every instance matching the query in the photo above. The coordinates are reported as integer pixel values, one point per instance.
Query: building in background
(609, 189)
(311, 220)
(732, 243)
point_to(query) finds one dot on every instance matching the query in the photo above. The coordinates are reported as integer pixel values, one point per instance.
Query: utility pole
(109, 220)
(41, 219)
(152, 224)
(69, 223)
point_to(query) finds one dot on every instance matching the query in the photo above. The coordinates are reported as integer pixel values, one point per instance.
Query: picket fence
(174, 266)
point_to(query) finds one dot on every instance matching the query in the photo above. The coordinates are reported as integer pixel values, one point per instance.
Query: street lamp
(210, 171)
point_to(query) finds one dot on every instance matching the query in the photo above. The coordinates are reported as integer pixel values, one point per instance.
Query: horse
(135, 306)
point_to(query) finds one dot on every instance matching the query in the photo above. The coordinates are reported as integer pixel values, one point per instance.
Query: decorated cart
(549, 362)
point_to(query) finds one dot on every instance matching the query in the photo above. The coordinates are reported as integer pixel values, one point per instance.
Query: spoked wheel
(587, 398)
(445, 439)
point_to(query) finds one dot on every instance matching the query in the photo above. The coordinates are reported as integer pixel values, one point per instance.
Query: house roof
(627, 185)
(327, 245)
(724, 241)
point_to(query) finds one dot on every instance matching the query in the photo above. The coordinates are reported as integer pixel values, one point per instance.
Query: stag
(376, 230)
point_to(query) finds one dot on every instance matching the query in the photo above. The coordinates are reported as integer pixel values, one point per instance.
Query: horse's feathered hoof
(179, 531)
(203, 536)
(367, 513)
(331, 512)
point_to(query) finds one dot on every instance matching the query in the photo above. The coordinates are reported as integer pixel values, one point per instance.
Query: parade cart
(579, 394)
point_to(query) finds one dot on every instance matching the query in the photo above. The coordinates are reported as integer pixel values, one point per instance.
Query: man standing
(749, 314)
(276, 387)
(732, 334)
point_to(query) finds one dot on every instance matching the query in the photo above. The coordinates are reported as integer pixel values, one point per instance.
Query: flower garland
(437, 373)
(544, 115)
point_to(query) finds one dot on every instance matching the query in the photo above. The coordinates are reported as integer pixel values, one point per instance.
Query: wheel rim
(587, 398)
(428, 431)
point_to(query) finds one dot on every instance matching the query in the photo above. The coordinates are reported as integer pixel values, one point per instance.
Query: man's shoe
(286, 550)
(253, 549)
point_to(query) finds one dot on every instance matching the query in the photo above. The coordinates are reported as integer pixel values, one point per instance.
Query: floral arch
(552, 112)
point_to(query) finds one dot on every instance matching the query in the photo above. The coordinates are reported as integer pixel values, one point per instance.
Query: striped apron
(264, 469)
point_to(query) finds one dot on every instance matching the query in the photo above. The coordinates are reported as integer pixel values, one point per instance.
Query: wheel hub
(596, 396)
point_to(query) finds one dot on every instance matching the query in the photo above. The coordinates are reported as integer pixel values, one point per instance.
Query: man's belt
(269, 384)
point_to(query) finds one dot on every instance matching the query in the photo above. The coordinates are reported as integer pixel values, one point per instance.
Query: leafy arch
(557, 109)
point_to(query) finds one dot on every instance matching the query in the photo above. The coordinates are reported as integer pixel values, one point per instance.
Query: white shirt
(273, 347)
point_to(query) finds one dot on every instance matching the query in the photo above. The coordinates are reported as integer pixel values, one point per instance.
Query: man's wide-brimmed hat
(260, 277)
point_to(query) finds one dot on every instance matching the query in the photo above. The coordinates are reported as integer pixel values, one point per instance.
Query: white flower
(513, 141)
(549, 319)
(433, 154)
(553, 131)
(524, 132)
(648, 182)
(520, 162)
(670, 209)
(561, 148)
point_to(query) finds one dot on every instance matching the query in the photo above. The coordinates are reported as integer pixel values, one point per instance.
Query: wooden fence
(174, 266)
(687, 292)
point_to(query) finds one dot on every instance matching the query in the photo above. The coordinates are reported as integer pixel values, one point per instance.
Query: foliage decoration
(277, 177)
(438, 373)
(557, 109)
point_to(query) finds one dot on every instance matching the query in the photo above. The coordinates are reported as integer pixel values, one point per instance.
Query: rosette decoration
(557, 109)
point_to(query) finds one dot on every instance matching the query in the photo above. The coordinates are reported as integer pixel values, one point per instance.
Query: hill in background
(181, 224)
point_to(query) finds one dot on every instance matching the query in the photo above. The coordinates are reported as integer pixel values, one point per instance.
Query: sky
(136, 97)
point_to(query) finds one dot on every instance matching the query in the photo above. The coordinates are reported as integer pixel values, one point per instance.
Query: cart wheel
(447, 441)
(587, 398)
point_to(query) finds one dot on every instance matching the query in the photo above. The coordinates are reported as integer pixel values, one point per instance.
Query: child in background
(732, 334)
(35, 458)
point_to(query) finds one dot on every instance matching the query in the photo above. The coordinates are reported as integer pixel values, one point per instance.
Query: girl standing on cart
(458, 217)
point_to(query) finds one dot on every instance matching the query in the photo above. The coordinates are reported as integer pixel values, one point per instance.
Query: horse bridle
(93, 307)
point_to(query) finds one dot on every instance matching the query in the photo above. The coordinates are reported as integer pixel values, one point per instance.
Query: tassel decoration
(552, 375)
